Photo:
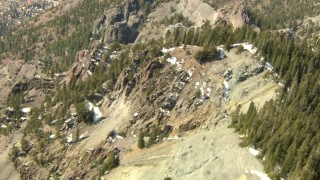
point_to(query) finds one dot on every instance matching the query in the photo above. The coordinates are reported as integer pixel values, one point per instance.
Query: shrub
(112, 162)
(84, 113)
(141, 142)
(206, 55)
(240, 49)
(14, 152)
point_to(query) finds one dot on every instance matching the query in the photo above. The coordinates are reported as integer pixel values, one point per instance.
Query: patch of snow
(261, 175)
(136, 114)
(119, 137)
(190, 72)
(26, 110)
(268, 66)
(226, 85)
(53, 122)
(166, 113)
(3, 126)
(226, 88)
(172, 60)
(23, 118)
(82, 136)
(179, 65)
(52, 136)
(97, 113)
(173, 138)
(254, 151)
(10, 109)
(164, 50)
(69, 138)
(89, 72)
(221, 53)
(197, 84)
(208, 91)
(281, 84)
(248, 47)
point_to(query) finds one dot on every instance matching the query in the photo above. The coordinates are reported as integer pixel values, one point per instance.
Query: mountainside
(160, 89)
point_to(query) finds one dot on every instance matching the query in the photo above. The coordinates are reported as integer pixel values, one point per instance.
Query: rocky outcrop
(98, 24)
(249, 71)
(81, 69)
(121, 23)
(189, 125)
(199, 12)
(38, 83)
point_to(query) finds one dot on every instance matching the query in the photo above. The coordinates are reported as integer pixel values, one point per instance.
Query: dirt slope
(213, 154)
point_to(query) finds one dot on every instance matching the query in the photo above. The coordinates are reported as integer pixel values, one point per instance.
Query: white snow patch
(89, 72)
(23, 118)
(179, 65)
(221, 53)
(261, 175)
(97, 113)
(26, 110)
(268, 66)
(54, 122)
(226, 88)
(164, 50)
(3, 126)
(166, 113)
(253, 151)
(281, 84)
(82, 136)
(69, 138)
(190, 71)
(172, 60)
(119, 137)
(226, 85)
(173, 138)
(247, 46)
(136, 114)
(205, 90)
(208, 91)
(52, 136)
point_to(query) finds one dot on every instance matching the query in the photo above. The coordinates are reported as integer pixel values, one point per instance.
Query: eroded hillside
(150, 90)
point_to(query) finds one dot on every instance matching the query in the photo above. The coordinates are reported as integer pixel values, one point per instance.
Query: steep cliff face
(121, 23)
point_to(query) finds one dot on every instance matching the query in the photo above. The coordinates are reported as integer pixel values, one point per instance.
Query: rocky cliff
(199, 12)
(121, 24)
(81, 69)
